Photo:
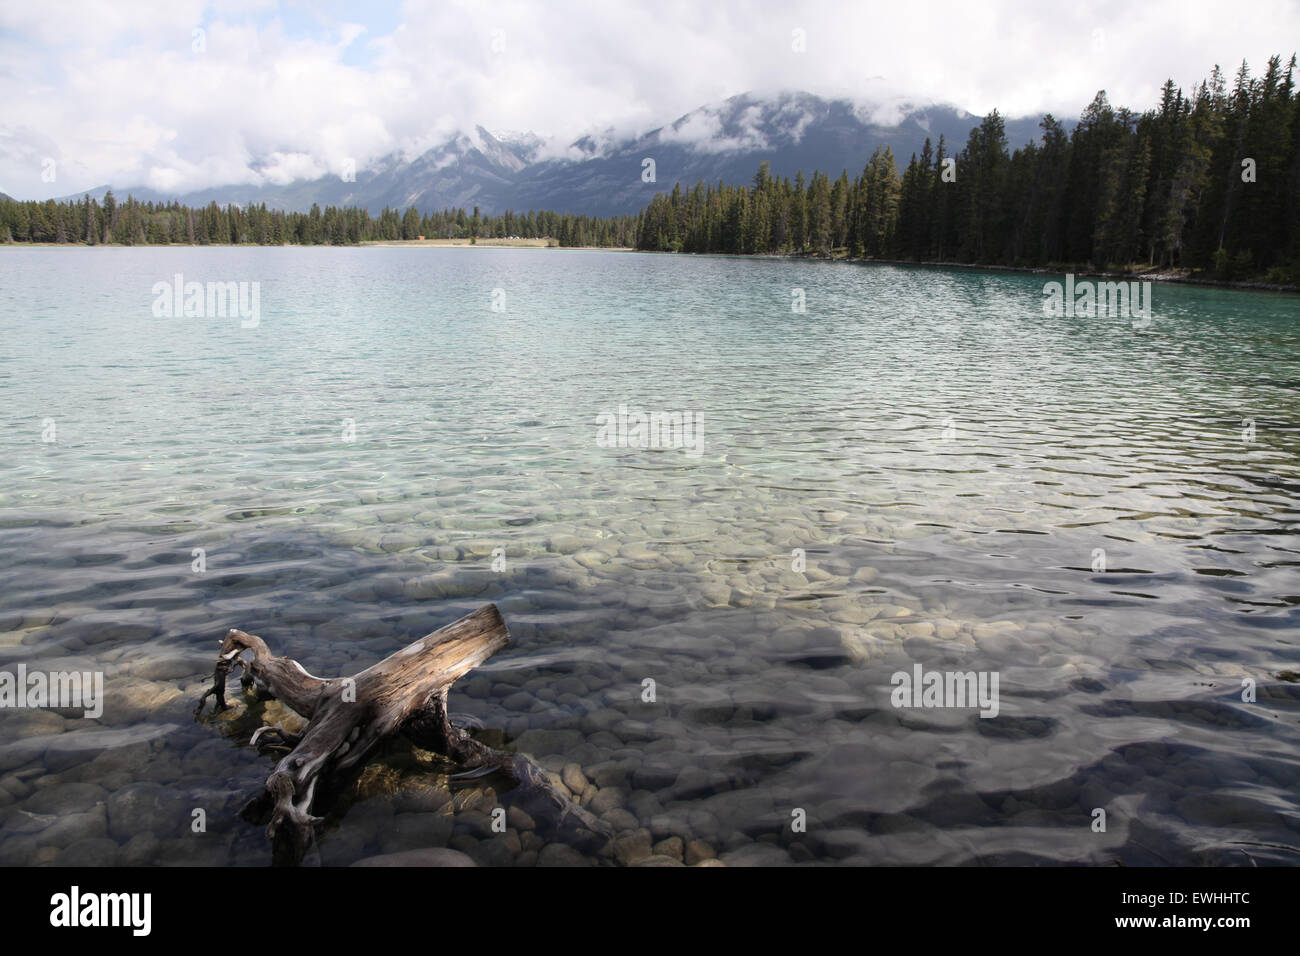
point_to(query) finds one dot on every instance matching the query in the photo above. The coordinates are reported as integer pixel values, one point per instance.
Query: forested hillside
(1207, 182)
(135, 223)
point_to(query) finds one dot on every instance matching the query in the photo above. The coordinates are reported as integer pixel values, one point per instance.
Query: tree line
(1207, 182)
(131, 222)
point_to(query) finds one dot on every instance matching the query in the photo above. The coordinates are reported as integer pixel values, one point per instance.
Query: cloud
(703, 130)
(129, 93)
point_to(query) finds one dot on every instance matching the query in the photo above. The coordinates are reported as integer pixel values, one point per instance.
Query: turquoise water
(948, 460)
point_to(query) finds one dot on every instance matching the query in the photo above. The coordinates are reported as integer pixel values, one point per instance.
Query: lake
(919, 474)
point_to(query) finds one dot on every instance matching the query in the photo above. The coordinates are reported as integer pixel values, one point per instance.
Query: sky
(180, 94)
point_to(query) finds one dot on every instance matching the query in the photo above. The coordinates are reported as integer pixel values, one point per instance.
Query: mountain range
(603, 175)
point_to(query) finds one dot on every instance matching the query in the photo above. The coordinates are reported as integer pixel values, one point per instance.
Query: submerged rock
(148, 808)
(560, 854)
(697, 851)
(66, 798)
(94, 851)
(671, 847)
(632, 848)
(433, 856)
(757, 854)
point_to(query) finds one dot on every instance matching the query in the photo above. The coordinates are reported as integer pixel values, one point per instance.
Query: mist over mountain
(603, 175)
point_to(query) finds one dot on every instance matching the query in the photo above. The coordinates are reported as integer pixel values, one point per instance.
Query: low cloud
(179, 94)
(703, 130)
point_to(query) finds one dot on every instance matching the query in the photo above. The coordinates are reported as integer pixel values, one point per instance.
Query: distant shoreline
(497, 243)
(1149, 275)
(393, 243)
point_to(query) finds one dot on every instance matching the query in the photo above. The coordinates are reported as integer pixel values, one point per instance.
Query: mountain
(727, 142)
(456, 173)
(719, 142)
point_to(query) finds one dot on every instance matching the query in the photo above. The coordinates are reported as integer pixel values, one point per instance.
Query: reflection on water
(920, 469)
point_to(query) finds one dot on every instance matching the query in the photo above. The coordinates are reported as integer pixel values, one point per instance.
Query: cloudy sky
(181, 94)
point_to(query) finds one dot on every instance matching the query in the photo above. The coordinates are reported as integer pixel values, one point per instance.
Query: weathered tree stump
(349, 717)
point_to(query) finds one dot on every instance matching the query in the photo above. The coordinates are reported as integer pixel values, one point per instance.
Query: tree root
(348, 718)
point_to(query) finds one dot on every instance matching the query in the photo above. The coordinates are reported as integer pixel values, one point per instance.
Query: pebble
(697, 851)
(673, 847)
(148, 808)
(433, 856)
(573, 778)
(476, 822)
(70, 828)
(539, 743)
(141, 850)
(95, 851)
(492, 852)
(407, 829)
(67, 750)
(519, 819)
(608, 799)
(612, 773)
(66, 798)
(32, 722)
(633, 847)
(757, 854)
(716, 594)
(167, 667)
(694, 783)
(620, 819)
(560, 854)
(565, 544)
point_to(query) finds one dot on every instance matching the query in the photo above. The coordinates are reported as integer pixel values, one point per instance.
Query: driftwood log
(349, 718)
